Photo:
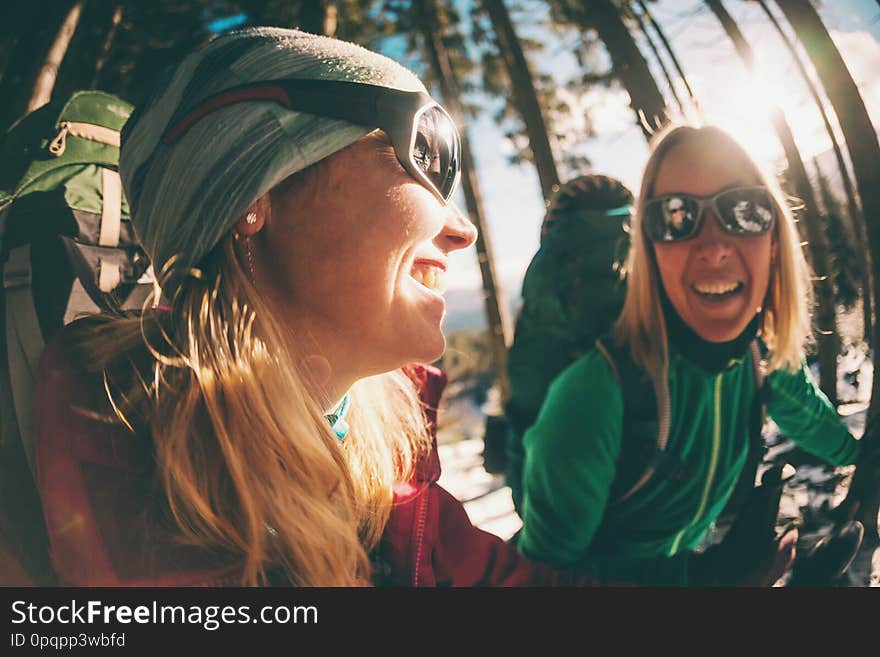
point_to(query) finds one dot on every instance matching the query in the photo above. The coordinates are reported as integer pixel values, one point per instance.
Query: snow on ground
(485, 496)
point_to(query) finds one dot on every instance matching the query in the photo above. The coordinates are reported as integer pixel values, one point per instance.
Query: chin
(426, 349)
(721, 333)
(433, 351)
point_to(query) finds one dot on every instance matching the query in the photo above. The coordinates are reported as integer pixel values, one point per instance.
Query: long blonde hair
(249, 464)
(785, 315)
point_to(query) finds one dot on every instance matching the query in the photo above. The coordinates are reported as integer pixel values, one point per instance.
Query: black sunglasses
(422, 133)
(740, 211)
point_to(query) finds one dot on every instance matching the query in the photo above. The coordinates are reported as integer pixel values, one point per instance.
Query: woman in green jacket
(715, 261)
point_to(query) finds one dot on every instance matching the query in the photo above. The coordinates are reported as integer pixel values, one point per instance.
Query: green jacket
(569, 515)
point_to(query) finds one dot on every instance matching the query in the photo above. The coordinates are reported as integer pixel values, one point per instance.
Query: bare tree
(662, 35)
(319, 17)
(524, 94)
(863, 501)
(498, 314)
(49, 71)
(108, 44)
(854, 222)
(628, 64)
(643, 28)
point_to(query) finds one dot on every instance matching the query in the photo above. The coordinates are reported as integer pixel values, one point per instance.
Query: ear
(774, 250)
(254, 218)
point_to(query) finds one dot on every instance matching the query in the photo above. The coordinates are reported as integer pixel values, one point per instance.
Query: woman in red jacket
(254, 427)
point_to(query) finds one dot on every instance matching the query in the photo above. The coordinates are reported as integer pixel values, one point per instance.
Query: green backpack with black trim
(572, 292)
(68, 249)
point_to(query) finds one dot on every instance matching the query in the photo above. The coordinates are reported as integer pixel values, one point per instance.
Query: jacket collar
(429, 382)
(714, 357)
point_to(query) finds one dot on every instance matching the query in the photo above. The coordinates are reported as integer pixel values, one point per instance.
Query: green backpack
(68, 249)
(572, 293)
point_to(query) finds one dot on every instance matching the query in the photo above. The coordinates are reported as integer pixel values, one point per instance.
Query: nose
(712, 245)
(458, 231)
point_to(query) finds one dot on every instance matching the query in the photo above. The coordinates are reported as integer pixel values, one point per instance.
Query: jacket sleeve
(805, 415)
(464, 555)
(571, 460)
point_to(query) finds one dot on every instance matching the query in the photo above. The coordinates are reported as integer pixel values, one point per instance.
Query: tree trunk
(855, 225)
(108, 44)
(644, 30)
(812, 229)
(331, 18)
(864, 151)
(318, 17)
(46, 77)
(628, 64)
(670, 52)
(524, 95)
(32, 23)
(827, 339)
(496, 308)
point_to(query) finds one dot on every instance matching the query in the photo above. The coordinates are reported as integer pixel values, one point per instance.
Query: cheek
(759, 264)
(671, 261)
(756, 254)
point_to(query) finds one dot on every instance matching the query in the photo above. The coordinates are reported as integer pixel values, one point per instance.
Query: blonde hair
(249, 464)
(785, 316)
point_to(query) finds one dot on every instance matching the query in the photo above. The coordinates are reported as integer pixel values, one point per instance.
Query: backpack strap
(757, 365)
(109, 273)
(111, 208)
(631, 383)
(759, 408)
(24, 343)
(757, 414)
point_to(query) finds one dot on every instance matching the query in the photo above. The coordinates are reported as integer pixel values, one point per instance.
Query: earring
(250, 219)
(249, 253)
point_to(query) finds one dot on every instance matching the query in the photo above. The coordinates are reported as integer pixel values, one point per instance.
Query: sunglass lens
(671, 218)
(747, 211)
(436, 150)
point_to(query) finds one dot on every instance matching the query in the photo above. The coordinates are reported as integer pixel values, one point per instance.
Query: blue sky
(511, 194)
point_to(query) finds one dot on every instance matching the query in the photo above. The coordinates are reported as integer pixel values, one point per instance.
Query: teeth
(430, 277)
(715, 288)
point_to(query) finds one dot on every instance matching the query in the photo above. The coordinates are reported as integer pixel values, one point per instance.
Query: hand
(826, 562)
(774, 563)
(758, 563)
(867, 475)
(864, 484)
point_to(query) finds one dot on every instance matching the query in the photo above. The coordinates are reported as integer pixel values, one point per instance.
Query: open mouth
(430, 276)
(717, 290)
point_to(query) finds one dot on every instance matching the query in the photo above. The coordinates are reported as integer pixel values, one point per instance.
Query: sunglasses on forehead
(423, 135)
(740, 211)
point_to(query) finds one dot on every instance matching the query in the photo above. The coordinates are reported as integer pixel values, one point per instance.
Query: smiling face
(716, 281)
(355, 255)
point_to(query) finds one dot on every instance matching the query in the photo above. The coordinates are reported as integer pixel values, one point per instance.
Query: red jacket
(98, 489)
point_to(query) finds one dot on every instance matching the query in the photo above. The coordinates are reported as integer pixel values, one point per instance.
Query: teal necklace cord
(337, 419)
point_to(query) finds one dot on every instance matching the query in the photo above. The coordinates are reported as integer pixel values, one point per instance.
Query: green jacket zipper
(710, 475)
